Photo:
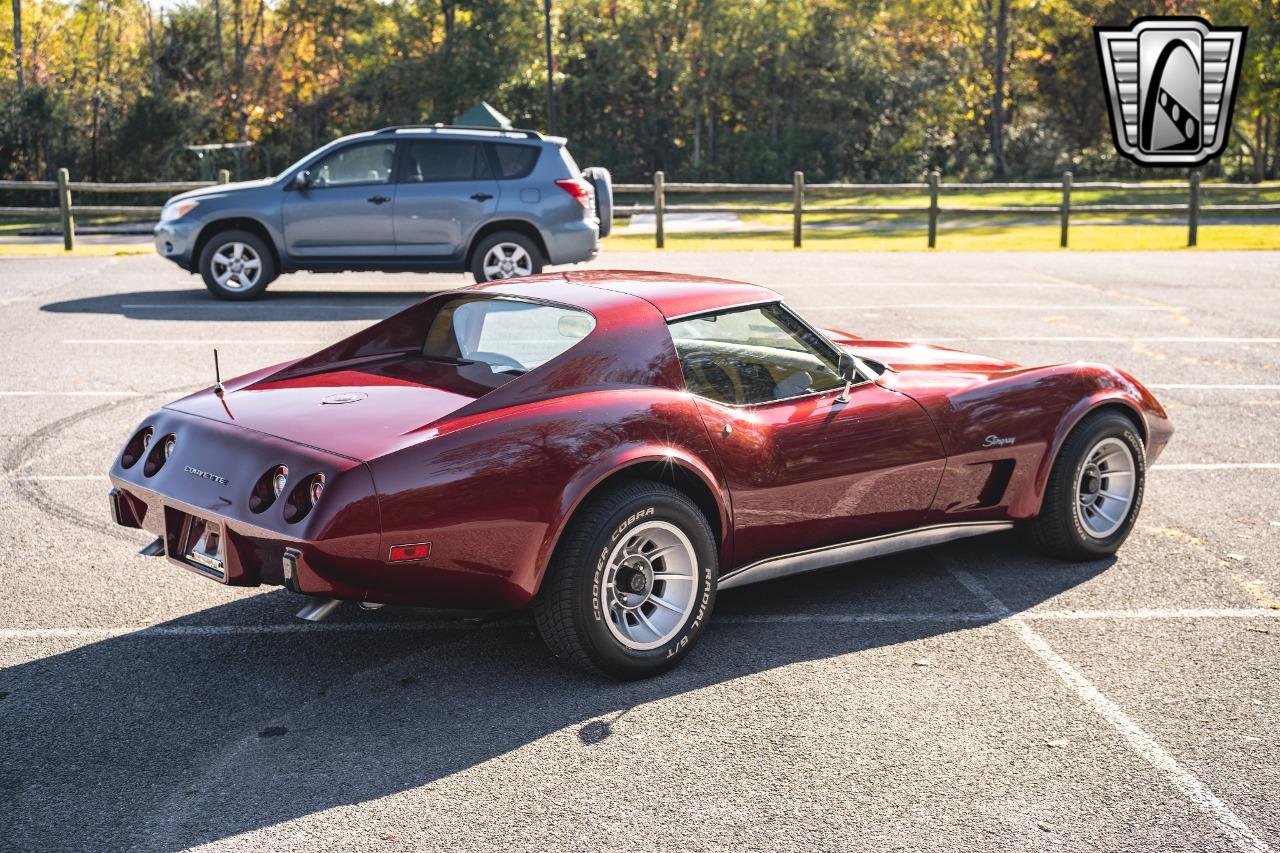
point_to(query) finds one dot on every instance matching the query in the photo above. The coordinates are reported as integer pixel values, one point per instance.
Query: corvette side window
(753, 356)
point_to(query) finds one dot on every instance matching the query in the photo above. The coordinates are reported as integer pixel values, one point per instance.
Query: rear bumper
(573, 242)
(211, 476)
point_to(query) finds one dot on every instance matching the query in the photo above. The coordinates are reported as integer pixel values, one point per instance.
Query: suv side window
(434, 160)
(752, 356)
(365, 163)
(516, 161)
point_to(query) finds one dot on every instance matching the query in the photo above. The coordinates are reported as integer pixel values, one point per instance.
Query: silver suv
(500, 203)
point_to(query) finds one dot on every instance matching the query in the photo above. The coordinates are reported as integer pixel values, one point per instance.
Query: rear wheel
(632, 582)
(237, 265)
(1094, 491)
(506, 254)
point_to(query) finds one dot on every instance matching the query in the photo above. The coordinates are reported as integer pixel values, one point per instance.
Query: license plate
(203, 544)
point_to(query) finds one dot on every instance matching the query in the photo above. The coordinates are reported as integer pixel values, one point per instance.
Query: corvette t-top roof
(673, 294)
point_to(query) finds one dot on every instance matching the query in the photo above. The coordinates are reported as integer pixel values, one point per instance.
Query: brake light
(405, 553)
(578, 188)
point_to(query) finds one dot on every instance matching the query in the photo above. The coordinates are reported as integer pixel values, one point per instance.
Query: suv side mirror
(302, 180)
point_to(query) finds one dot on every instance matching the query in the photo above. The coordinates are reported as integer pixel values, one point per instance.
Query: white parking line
(145, 632)
(1191, 613)
(1013, 306)
(1189, 386)
(976, 285)
(297, 305)
(1217, 466)
(1097, 339)
(189, 341)
(1141, 742)
(71, 394)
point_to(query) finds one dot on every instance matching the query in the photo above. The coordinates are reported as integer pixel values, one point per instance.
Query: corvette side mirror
(849, 373)
(848, 367)
(302, 180)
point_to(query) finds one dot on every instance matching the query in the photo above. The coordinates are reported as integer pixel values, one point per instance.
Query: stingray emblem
(1171, 83)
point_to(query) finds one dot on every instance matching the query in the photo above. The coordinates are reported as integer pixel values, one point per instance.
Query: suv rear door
(445, 190)
(346, 211)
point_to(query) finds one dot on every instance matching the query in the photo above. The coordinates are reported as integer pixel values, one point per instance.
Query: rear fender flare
(588, 479)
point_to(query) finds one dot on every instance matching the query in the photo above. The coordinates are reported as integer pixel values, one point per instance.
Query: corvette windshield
(511, 336)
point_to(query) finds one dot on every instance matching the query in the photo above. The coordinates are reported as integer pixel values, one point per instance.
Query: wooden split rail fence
(932, 190)
(68, 211)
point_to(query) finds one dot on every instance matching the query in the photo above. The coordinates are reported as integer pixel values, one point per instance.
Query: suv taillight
(578, 188)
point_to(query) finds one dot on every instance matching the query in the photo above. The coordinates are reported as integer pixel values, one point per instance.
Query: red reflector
(404, 553)
(578, 188)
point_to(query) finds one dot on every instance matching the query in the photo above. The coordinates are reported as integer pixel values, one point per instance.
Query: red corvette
(611, 448)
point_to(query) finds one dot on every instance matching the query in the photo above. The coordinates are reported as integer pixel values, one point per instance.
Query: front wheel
(1095, 490)
(632, 582)
(506, 254)
(237, 265)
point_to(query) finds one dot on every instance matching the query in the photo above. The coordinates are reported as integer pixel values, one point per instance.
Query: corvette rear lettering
(205, 475)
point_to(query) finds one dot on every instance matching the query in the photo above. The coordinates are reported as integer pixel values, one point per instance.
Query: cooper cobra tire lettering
(571, 610)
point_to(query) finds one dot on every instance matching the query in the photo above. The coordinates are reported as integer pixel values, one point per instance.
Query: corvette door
(804, 468)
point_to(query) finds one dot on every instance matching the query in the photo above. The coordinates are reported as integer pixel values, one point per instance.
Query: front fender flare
(1109, 388)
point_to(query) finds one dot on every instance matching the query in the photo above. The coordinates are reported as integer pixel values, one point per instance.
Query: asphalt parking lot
(972, 696)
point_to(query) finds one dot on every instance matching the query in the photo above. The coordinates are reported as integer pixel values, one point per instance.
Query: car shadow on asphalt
(273, 306)
(193, 734)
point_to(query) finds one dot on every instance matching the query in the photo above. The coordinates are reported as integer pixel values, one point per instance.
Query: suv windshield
(511, 336)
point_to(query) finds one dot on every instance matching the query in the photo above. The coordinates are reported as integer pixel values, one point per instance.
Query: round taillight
(160, 452)
(136, 448)
(269, 487)
(303, 497)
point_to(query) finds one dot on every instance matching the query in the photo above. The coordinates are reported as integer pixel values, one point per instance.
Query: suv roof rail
(528, 134)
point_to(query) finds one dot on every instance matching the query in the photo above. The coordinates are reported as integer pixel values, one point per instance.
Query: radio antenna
(217, 375)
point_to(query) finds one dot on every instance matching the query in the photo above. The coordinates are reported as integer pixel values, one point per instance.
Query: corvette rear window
(511, 336)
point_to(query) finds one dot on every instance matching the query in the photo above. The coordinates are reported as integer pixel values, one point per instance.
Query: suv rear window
(431, 160)
(515, 161)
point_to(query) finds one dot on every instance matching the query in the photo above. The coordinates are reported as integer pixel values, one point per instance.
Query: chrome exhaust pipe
(316, 609)
(155, 549)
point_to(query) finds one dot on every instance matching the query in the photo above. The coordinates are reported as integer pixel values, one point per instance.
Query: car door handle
(378, 199)
(481, 196)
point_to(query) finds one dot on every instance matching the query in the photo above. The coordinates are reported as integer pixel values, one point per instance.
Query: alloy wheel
(236, 266)
(1105, 487)
(507, 260)
(649, 585)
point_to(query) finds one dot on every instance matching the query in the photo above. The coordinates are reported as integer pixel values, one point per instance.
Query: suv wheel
(506, 254)
(237, 265)
(631, 584)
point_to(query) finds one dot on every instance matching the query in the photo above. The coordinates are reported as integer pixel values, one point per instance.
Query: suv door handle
(378, 199)
(481, 196)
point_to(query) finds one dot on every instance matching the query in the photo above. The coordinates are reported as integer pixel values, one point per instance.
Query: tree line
(722, 90)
